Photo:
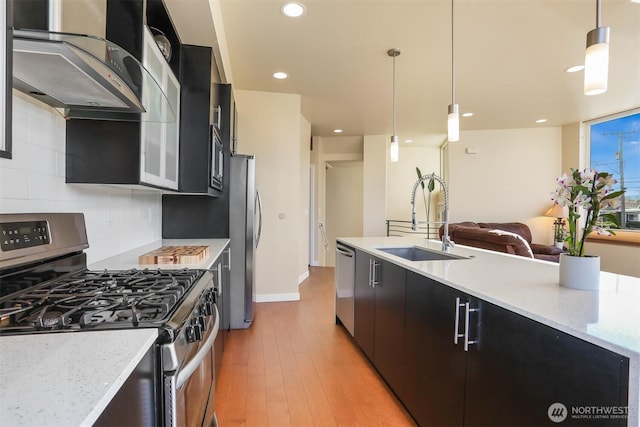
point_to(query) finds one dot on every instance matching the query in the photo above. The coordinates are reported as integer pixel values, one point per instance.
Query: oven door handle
(185, 372)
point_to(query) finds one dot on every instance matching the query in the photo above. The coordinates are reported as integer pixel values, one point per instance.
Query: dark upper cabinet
(31, 14)
(196, 142)
(125, 27)
(132, 152)
(6, 63)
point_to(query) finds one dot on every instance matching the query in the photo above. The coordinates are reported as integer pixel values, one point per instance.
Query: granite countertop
(609, 318)
(68, 378)
(129, 259)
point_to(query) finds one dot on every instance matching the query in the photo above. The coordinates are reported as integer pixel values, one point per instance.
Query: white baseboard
(278, 297)
(304, 276)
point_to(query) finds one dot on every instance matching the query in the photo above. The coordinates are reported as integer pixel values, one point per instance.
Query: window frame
(623, 235)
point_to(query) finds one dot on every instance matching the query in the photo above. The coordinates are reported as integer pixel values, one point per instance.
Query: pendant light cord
(393, 53)
(453, 64)
(597, 13)
(394, 95)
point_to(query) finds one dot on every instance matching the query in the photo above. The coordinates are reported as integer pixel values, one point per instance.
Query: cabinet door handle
(219, 116)
(370, 271)
(228, 252)
(467, 313)
(374, 282)
(456, 332)
(220, 279)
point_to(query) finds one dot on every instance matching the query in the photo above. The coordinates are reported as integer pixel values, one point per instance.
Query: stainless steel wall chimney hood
(86, 77)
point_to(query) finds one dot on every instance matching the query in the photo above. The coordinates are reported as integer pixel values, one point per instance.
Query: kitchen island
(69, 378)
(526, 290)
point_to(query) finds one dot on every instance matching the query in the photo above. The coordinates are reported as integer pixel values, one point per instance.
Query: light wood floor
(295, 367)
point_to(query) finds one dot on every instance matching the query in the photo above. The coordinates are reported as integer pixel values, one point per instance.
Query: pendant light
(453, 116)
(394, 149)
(596, 60)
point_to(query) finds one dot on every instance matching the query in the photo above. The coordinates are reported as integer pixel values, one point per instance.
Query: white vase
(580, 272)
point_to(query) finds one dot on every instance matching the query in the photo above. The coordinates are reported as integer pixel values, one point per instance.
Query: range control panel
(19, 235)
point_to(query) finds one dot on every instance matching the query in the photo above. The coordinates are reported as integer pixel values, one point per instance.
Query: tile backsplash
(117, 219)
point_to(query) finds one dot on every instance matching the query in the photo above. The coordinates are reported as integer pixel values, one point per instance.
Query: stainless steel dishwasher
(345, 283)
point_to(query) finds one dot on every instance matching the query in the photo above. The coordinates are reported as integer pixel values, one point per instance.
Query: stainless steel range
(45, 287)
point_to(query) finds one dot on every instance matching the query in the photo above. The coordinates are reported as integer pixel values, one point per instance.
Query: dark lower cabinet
(379, 315)
(510, 372)
(520, 367)
(364, 304)
(389, 320)
(433, 391)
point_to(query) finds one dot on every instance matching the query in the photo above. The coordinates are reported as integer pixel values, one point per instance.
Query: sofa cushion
(521, 246)
(512, 227)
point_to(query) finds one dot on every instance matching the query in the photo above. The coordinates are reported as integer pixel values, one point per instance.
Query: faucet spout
(447, 243)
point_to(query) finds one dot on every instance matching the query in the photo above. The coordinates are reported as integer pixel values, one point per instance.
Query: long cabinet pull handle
(456, 333)
(228, 252)
(370, 271)
(467, 312)
(374, 281)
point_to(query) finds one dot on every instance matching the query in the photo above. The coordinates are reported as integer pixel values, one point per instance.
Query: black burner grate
(90, 299)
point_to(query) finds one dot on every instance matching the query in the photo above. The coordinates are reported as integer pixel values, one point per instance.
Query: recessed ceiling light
(467, 115)
(293, 9)
(541, 120)
(408, 141)
(280, 75)
(337, 130)
(574, 69)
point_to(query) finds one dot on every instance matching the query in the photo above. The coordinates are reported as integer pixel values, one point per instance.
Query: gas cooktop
(90, 299)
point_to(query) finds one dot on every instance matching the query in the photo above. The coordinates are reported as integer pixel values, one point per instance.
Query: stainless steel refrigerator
(245, 226)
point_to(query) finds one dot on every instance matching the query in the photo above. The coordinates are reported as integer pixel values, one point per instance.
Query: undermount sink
(414, 253)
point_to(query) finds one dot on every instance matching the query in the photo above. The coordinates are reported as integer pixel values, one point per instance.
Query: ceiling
(510, 57)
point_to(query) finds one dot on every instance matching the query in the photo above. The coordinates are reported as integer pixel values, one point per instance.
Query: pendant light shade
(596, 61)
(394, 148)
(453, 123)
(453, 117)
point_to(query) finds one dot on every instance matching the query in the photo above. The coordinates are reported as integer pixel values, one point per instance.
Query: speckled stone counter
(129, 259)
(609, 318)
(68, 379)
(65, 379)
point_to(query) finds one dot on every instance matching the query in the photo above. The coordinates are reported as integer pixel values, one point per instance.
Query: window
(614, 147)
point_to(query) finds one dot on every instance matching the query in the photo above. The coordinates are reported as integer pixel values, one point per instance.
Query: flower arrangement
(592, 191)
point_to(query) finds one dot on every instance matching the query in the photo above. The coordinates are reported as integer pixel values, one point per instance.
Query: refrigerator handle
(259, 205)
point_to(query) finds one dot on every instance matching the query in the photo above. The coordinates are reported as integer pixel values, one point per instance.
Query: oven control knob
(197, 330)
(207, 308)
(191, 334)
(202, 322)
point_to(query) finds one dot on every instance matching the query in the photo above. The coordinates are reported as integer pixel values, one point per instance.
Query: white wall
(117, 219)
(343, 204)
(401, 176)
(334, 150)
(269, 126)
(376, 153)
(510, 178)
(303, 207)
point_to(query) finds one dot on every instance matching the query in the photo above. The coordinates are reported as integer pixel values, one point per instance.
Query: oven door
(189, 392)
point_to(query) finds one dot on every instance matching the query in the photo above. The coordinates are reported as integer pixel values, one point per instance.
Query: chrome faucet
(446, 241)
